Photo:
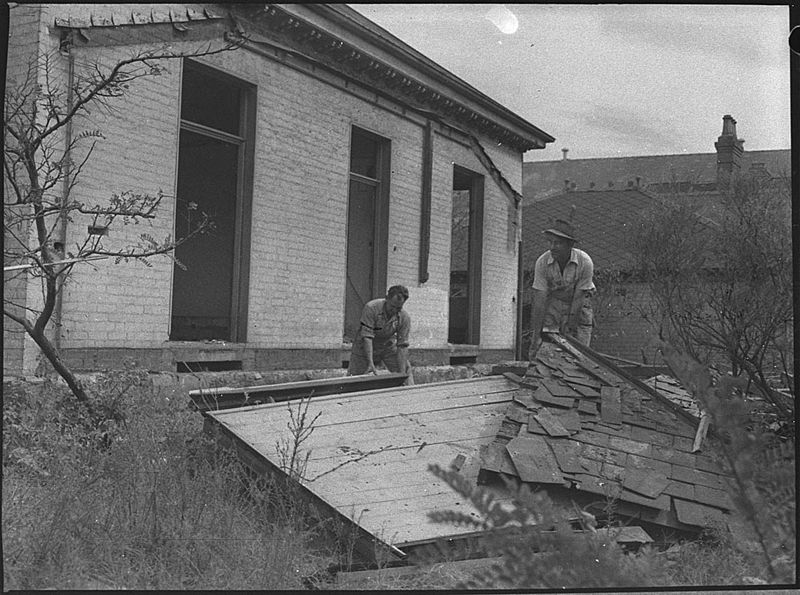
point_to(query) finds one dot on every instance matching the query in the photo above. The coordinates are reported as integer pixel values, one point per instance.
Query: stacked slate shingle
(577, 426)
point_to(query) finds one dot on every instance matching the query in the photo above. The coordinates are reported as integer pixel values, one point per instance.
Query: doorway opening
(367, 225)
(466, 247)
(215, 164)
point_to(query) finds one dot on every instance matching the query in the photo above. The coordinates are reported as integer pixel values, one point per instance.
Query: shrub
(155, 505)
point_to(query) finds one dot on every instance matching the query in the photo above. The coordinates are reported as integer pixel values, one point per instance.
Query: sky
(615, 80)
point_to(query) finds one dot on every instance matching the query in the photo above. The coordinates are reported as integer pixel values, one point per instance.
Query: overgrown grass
(146, 500)
(141, 501)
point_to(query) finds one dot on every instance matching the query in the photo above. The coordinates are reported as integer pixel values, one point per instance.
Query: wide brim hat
(562, 229)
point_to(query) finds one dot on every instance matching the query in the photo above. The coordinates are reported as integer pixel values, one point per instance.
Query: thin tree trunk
(50, 352)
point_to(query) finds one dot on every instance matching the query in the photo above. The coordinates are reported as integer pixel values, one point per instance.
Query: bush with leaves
(761, 464)
(537, 546)
(720, 274)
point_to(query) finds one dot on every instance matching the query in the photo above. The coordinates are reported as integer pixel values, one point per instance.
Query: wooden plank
(230, 397)
(692, 513)
(589, 407)
(447, 431)
(422, 392)
(551, 423)
(645, 482)
(610, 407)
(388, 469)
(534, 460)
(268, 418)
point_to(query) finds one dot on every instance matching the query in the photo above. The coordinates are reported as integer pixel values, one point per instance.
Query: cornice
(339, 55)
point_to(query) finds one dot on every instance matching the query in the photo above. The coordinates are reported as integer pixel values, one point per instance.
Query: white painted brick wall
(297, 263)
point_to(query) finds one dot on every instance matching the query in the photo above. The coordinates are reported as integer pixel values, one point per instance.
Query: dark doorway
(367, 225)
(466, 236)
(209, 291)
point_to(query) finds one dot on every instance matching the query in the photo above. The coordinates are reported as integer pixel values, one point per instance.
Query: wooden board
(534, 460)
(229, 397)
(372, 406)
(370, 451)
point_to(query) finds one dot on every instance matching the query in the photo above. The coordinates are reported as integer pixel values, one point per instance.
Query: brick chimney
(729, 154)
(564, 151)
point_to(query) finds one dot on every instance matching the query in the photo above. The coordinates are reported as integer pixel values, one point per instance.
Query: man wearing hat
(562, 288)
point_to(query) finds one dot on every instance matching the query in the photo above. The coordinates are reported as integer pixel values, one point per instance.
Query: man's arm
(584, 283)
(402, 359)
(403, 332)
(368, 353)
(537, 321)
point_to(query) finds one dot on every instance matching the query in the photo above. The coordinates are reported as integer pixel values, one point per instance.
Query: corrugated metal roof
(614, 439)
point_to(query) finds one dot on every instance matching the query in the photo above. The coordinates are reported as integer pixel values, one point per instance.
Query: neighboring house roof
(579, 427)
(602, 219)
(337, 37)
(545, 178)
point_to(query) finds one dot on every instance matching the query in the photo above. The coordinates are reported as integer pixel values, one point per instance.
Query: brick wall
(300, 187)
(24, 35)
(621, 328)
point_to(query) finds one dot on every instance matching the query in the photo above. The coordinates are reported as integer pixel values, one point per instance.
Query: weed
(159, 507)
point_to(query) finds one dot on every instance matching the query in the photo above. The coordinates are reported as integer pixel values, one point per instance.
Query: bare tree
(720, 274)
(41, 172)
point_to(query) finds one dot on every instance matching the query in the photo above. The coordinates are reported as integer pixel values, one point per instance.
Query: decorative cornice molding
(345, 58)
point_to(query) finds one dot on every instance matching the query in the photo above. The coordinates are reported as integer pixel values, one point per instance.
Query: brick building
(329, 153)
(608, 194)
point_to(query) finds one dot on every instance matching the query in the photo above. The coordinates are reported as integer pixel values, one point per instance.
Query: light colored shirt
(383, 331)
(562, 287)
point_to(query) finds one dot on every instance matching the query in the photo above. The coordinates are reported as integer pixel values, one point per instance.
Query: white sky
(613, 80)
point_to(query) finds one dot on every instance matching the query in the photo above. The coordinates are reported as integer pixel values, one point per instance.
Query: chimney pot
(565, 151)
(729, 154)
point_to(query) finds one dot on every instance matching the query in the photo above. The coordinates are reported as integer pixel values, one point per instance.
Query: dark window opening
(463, 360)
(215, 160)
(367, 225)
(466, 241)
(210, 100)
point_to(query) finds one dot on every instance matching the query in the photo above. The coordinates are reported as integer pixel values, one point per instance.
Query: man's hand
(536, 342)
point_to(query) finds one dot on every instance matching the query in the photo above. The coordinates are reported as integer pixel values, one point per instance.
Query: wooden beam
(214, 399)
(425, 202)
